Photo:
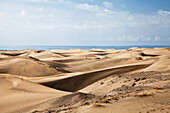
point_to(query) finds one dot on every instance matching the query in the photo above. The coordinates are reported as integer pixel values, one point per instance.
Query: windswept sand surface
(85, 81)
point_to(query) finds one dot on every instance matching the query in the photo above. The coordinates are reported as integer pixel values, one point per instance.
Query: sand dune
(26, 67)
(34, 78)
(18, 95)
(78, 82)
(131, 93)
(162, 64)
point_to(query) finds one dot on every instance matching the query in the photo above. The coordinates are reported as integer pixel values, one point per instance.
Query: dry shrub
(98, 105)
(145, 94)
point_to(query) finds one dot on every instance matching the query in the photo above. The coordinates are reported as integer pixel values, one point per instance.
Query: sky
(84, 22)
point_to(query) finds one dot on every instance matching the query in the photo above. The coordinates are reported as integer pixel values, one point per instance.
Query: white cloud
(1, 14)
(147, 39)
(162, 12)
(156, 38)
(110, 38)
(108, 4)
(35, 1)
(64, 2)
(100, 15)
(88, 7)
(48, 1)
(134, 38)
(39, 9)
(130, 18)
(69, 21)
(132, 24)
(22, 13)
(109, 11)
(128, 38)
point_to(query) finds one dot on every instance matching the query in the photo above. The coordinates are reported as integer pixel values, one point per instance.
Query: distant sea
(73, 47)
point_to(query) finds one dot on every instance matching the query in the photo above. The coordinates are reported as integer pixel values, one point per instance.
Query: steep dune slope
(80, 81)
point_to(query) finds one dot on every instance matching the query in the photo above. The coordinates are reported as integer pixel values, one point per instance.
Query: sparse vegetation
(86, 103)
(144, 94)
(98, 105)
(106, 100)
(157, 88)
(115, 98)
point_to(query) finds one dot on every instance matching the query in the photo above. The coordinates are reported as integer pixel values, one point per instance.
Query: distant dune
(77, 80)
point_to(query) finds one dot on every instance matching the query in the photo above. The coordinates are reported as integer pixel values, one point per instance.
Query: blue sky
(84, 22)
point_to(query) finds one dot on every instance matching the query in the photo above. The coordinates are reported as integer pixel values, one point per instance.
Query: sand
(85, 81)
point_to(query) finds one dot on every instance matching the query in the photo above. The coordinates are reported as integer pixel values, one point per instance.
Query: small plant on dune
(86, 103)
(36, 111)
(98, 100)
(157, 88)
(115, 98)
(144, 94)
(106, 100)
(98, 105)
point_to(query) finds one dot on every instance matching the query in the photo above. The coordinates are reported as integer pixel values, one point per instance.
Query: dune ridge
(80, 81)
